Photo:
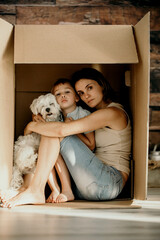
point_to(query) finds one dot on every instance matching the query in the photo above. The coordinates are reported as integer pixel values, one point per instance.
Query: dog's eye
(52, 104)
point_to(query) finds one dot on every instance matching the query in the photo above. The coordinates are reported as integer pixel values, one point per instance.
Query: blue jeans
(93, 179)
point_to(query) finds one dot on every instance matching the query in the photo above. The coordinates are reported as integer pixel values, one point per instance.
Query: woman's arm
(111, 117)
(88, 139)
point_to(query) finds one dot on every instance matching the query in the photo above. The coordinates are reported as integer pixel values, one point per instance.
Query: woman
(97, 176)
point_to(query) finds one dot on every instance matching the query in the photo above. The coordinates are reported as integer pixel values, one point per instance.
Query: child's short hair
(60, 81)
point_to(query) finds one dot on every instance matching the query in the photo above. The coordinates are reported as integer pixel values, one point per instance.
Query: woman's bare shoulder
(112, 117)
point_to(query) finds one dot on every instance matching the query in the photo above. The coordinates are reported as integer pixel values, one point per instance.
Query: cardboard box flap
(6, 30)
(6, 101)
(140, 107)
(74, 44)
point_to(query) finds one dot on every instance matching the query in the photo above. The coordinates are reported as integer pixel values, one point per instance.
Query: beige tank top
(113, 147)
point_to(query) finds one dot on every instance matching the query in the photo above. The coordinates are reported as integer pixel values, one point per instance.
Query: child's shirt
(78, 113)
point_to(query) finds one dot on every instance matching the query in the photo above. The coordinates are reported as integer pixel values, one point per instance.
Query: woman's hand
(37, 118)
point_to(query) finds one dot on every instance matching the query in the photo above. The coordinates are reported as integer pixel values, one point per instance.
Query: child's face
(65, 96)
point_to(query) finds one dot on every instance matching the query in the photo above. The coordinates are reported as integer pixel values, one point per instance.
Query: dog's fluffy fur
(26, 147)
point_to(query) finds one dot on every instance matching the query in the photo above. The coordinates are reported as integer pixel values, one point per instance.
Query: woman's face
(90, 92)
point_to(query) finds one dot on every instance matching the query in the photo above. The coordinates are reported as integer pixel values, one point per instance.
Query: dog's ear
(33, 107)
(61, 117)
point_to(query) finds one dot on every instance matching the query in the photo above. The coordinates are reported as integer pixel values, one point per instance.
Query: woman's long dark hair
(93, 74)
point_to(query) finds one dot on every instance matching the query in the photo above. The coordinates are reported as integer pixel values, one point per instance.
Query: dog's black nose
(47, 109)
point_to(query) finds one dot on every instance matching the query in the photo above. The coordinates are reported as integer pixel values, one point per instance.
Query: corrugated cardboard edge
(140, 107)
(7, 86)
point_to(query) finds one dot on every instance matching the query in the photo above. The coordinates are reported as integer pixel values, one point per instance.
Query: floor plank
(34, 222)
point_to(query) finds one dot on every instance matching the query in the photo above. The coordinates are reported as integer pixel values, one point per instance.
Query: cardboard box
(32, 57)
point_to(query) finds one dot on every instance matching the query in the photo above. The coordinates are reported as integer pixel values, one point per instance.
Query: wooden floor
(29, 222)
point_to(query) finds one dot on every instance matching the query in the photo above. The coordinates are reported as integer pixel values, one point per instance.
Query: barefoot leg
(53, 184)
(5, 195)
(10, 193)
(27, 180)
(47, 156)
(63, 173)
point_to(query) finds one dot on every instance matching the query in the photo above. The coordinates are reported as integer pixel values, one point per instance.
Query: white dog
(26, 147)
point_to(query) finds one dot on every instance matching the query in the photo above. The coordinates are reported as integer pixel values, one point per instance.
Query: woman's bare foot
(7, 194)
(26, 197)
(53, 196)
(65, 197)
(10, 193)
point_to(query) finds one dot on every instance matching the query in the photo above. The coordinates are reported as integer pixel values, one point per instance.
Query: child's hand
(37, 118)
(68, 119)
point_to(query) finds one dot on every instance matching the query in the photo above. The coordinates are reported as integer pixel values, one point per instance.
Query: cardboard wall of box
(33, 57)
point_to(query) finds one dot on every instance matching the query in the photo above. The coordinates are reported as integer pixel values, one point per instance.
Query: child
(67, 99)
